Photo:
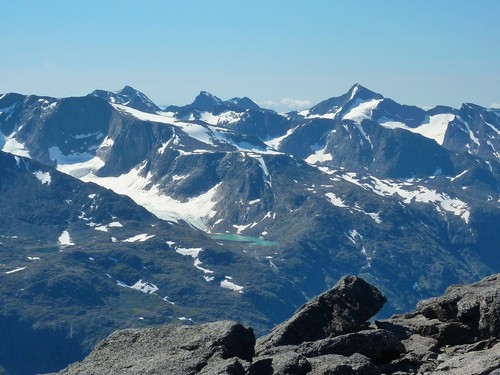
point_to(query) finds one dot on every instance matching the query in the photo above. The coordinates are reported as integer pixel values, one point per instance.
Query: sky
(282, 54)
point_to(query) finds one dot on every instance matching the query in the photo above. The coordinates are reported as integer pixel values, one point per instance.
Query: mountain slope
(78, 261)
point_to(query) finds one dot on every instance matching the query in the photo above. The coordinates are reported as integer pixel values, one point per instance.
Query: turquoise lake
(240, 238)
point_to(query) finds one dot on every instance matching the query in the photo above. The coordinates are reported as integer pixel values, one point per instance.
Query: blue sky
(279, 53)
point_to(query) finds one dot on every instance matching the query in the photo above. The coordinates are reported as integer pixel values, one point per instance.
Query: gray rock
(333, 364)
(483, 362)
(399, 331)
(171, 349)
(464, 314)
(286, 363)
(232, 366)
(379, 345)
(476, 306)
(419, 353)
(343, 309)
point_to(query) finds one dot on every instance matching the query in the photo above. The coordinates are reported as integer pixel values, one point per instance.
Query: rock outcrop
(343, 309)
(457, 333)
(172, 349)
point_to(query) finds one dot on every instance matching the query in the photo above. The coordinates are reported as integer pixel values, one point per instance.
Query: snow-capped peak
(360, 92)
(244, 103)
(205, 101)
(129, 97)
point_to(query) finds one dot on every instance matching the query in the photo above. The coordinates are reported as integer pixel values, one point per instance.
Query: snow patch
(226, 284)
(13, 146)
(139, 238)
(336, 201)
(77, 164)
(14, 270)
(192, 252)
(361, 110)
(319, 156)
(410, 193)
(195, 210)
(65, 239)
(434, 128)
(145, 287)
(44, 177)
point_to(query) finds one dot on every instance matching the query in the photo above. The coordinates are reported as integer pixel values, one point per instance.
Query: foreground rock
(457, 333)
(343, 309)
(171, 349)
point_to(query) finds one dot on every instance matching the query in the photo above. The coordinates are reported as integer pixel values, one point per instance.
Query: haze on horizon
(282, 55)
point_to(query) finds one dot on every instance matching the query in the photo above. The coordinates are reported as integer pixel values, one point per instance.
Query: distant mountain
(130, 97)
(405, 197)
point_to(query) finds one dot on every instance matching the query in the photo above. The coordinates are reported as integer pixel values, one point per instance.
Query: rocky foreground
(457, 333)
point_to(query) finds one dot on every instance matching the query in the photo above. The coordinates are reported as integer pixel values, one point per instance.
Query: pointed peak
(127, 90)
(359, 91)
(244, 103)
(205, 101)
(334, 104)
(207, 94)
(128, 96)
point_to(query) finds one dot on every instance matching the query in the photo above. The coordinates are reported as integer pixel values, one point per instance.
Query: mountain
(283, 204)
(78, 261)
(130, 97)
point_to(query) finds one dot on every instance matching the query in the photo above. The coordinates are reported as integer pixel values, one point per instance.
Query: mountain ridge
(406, 198)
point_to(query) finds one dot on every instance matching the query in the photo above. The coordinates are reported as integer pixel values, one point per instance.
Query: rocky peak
(243, 103)
(129, 91)
(205, 101)
(360, 92)
(356, 93)
(129, 97)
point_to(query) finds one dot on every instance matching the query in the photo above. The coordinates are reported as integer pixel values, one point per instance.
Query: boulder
(231, 366)
(286, 363)
(476, 306)
(379, 345)
(333, 364)
(171, 349)
(343, 309)
(482, 362)
(463, 315)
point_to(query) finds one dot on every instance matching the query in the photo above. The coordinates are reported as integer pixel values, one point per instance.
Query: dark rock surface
(343, 309)
(456, 333)
(171, 349)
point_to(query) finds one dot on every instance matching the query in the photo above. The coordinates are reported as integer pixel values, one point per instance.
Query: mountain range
(223, 209)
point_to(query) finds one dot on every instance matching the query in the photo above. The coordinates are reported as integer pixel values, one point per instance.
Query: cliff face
(457, 333)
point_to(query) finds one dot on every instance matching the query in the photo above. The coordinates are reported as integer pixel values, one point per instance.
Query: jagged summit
(129, 90)
(128, 96)
(356, 94)
(205, 101)
(244, 103)
(359, 91)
